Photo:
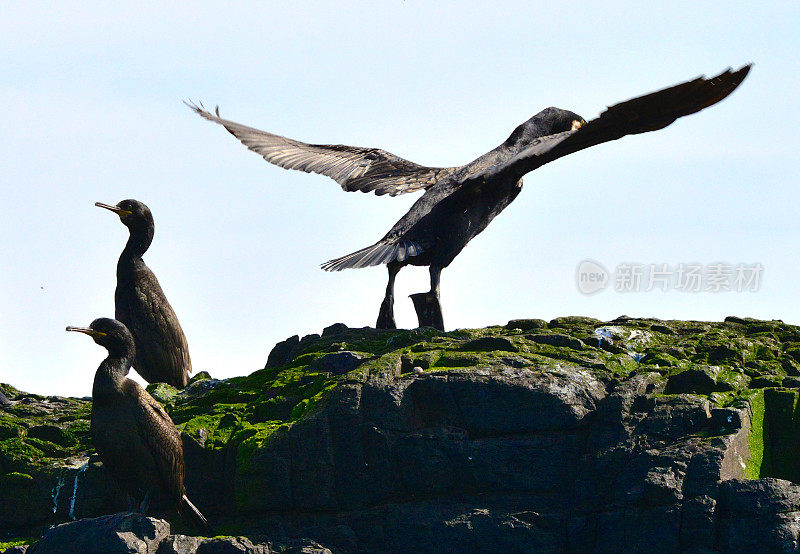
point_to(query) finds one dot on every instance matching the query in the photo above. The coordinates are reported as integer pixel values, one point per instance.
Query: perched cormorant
(459, 202)
(133, 435)
(162, 354)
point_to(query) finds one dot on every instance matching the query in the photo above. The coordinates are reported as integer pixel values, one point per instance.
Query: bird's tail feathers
(197, 515)
(378, 253)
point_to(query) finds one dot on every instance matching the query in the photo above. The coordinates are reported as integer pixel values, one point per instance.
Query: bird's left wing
(353, 167)
(639, 115)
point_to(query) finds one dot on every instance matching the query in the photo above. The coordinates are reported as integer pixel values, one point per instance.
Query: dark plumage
(162, 354)
(133, 435)
(459, 202)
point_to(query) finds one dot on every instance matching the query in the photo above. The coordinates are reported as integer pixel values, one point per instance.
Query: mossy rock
(766, 381)
(199, 376)
(526, 324)
(660, 359)
(19, 455)
(489, 344)
(456, 360)
(19, 541)
(16, 480)
(51, 433)
(572, 321)
(246, 414)
(700, 379)
(162, 392)
(558, 340)
(10, 430)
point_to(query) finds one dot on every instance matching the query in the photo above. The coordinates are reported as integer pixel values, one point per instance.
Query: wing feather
(354, 168)
(163, 439)
(379, 253)
(639, 115)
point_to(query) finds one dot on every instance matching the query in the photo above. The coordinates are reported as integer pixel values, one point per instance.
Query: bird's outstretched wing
(639, 115)
(353, 167)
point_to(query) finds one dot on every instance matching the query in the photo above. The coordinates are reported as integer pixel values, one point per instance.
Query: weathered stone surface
(489, 344)
(772, 533)
(231, 545)
(122, 532)
(526, 324)
(281, 352)
(338, 363)
(748, 498)
(701, 380)
(136, 533)
(558, 340)
(179, 544)
(51, 433)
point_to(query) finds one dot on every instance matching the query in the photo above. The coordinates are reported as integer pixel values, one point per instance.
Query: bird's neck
(138, 243)
(110, 376)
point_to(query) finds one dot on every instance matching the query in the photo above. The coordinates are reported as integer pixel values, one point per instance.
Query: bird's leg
(145, 503)
(429, 311)
(116, 519)
(386, 315)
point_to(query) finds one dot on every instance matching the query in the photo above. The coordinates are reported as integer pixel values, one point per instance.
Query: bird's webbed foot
(386, 314)
(429, 311)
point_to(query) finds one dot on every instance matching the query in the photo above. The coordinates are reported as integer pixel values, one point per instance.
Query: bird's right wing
(639, 115)
(354, 168)
(159, 433)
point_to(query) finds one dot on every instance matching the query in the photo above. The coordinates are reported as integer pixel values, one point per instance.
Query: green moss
(9, 429)
(200, 376)
(755, 440)
(457, 360)
(15, 479)
(17, 454)
(258, 437)
(162, 392)
(80, 430)
(20, 541)
(724, 399)
(654, 357)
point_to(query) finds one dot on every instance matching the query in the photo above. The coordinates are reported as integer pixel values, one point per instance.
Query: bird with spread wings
(459, 202)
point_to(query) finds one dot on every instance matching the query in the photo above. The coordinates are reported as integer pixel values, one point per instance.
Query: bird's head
(110, 334)
(132, 213)
(555, 120)
(547, 122)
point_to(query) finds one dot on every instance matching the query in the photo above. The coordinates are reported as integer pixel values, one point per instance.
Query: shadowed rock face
(530, 437)
(127, 532)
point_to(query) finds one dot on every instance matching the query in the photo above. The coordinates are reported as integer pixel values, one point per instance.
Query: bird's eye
(576, 125)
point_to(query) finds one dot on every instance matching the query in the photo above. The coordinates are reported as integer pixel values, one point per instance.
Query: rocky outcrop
(574, 435)
(125, 532)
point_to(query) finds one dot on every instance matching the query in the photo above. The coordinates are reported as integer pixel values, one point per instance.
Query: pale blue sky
(92, 112)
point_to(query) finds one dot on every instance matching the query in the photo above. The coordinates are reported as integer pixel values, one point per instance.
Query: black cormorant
(459, 202)
(133, 435)
(162, 354)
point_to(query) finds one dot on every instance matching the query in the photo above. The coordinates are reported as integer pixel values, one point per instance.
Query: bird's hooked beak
(116, 209)
(87, 330)
(577, 124)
